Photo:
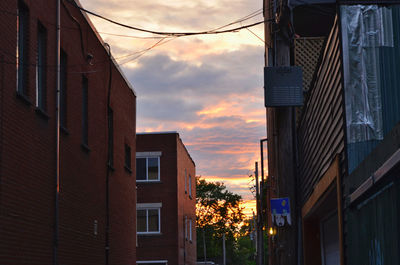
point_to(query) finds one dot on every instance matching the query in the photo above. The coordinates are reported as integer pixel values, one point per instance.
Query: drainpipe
(57, 179)
(109, 159)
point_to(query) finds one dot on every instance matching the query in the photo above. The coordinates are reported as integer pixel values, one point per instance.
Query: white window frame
(147, 207)
(148, 155)
(152, 261)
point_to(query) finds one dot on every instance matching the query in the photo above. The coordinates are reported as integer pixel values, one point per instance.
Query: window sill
(85, 148)
(149, 234)
(43, 114)
(128, 169)
(148, 181)
(24, 98)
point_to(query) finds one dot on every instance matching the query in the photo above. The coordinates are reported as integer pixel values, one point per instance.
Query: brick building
(166, 196)
(93, 221)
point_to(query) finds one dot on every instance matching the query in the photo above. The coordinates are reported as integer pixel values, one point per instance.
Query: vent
(283, 86)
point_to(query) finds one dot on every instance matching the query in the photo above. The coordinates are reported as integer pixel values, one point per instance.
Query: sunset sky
(207, 88)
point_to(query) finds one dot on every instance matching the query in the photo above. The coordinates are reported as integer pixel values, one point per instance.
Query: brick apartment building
(93, 221)
(166, 196)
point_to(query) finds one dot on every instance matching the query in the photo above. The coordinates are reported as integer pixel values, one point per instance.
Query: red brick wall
(27, 150)
(175, 203)
(187, 204)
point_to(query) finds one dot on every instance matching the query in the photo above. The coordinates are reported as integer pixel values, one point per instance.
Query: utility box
(283, 86)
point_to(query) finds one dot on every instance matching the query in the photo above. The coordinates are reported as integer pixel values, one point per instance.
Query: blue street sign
(280, 211)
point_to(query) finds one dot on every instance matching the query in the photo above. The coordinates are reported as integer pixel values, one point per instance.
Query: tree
(217, 207)
(218, 213)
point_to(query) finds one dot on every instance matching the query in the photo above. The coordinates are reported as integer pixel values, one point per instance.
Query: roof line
(103, 44)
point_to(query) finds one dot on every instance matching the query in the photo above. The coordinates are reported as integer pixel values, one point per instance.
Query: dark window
(147, 169)
(141, 170)
(152, 167)
(141, 221)
(190, 185)
(85, 111)
(127, 156)
(110, 137)
(63, 89)
(22, 48)
(153, 220)
(148, 220)
(41, 67)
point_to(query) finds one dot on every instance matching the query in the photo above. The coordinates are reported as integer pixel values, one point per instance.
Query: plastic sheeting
(365, 29)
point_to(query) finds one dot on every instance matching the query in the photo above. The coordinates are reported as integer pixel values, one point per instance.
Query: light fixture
(272, 231)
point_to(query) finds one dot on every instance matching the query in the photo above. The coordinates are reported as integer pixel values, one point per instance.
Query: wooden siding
(321, 131)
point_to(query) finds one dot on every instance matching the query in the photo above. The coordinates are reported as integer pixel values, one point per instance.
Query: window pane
(153, 168)
(22, 49)
(127, 156)
(41, 68)
(141, 220)
(85, 110)
(190, 185)
(140, 168)
(153, 220)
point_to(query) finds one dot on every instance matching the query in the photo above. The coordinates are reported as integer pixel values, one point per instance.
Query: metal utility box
(283, 86)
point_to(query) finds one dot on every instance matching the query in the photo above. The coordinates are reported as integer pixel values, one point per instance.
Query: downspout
(108, 166)
(57, 180)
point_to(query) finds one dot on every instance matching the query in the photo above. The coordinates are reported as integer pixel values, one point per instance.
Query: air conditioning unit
(283, 86)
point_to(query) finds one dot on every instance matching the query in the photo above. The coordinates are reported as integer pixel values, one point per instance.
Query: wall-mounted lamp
(272, 231)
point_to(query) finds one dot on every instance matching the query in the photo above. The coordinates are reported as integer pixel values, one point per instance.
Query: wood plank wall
(321, 128)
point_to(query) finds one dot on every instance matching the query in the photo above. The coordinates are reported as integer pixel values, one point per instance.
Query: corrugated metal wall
(373, 228)
(320, 131)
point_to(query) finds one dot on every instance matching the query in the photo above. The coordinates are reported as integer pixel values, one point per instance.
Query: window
(41, 67)
(128, 157)
(110, 137)
(185, 181)
(63, 89)
(186, 228)
(147, 168)
(190, 230)
(85, 111)
(22, 48)
(148, 218)
(190, 186)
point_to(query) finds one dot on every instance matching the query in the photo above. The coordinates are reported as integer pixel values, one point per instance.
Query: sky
(207, 88)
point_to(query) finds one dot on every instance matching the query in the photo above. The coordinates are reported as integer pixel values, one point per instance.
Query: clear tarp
(365, 29)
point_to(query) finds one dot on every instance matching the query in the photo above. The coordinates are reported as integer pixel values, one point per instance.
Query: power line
(177, 34)
(258, 37)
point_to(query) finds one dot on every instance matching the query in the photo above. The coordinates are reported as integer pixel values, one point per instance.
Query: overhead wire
(178, 34)
(258, 37)
(163, 39)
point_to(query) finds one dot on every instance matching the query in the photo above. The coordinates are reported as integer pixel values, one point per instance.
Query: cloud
(218, 109)
(208, 88)
(183, 15)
